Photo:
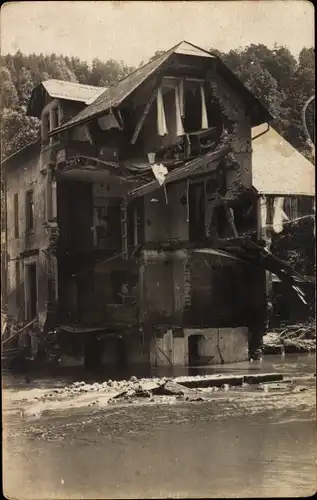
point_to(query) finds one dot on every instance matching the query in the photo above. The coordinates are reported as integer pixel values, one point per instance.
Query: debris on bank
(139, 391)
(293, 338)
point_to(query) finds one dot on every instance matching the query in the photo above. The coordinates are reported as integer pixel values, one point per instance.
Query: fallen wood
(19, 331)
(262, 377)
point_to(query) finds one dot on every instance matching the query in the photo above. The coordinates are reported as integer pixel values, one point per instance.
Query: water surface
(241, 443)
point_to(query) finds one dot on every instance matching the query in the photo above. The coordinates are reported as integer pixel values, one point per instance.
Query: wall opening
(194, 349)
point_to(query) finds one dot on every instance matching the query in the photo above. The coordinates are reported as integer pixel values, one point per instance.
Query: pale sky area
(132, 31)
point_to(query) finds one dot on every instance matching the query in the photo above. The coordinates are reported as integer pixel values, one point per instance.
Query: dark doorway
(121, 354)
(32, 290)
(193, 349)
(197, 229)
(92, 352)
(79, 215)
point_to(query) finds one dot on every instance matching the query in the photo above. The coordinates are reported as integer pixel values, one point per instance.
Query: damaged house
(285, 182)
(133, 228)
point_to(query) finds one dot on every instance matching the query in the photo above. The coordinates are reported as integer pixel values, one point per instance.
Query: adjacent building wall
(29, 246)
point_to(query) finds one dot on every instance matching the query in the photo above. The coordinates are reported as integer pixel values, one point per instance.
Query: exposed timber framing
(181, 173)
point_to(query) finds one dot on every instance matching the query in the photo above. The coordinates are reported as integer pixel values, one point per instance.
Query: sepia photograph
(158, 329)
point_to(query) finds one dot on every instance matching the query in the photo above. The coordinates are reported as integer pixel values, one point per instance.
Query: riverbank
(55, 395)
(291, 339)
(249, 441)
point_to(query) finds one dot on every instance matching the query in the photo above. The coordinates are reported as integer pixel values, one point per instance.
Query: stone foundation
(214, 346)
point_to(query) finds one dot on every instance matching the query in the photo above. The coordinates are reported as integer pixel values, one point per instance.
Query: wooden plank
(144, 115)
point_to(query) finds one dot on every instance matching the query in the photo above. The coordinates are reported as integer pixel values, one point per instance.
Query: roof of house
(277, 167)
(117, 93)
(60, 89)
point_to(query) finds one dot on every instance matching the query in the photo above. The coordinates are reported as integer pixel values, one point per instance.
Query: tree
(58, 69)
(281, 83)
(17, 130)
(25, 86)
(106, 74)
(8, 94)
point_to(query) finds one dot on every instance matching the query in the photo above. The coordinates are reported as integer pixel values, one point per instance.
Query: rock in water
(170, 389)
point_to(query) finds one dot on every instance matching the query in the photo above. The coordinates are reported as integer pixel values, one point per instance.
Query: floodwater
(247, 442)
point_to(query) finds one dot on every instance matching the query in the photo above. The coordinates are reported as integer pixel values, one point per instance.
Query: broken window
(291, 207)
(29, 210)
(16, 215)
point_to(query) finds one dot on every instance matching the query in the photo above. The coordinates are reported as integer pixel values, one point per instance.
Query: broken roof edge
(73, 122)
(261, 114)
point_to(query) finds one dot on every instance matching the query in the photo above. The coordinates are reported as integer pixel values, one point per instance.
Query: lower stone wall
(215, 346)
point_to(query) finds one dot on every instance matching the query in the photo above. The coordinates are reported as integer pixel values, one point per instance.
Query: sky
(132, 31)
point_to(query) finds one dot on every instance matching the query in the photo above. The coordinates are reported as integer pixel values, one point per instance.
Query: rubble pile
(294, 337)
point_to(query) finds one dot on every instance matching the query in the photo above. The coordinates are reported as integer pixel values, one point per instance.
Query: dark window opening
(269, 210)
(135, 224)
(192, 119)
(16, 215)
(291, 207)
(193, 108)
(245, 218)
(29, 212)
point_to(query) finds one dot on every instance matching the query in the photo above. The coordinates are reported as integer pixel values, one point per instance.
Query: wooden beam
(19, 331)
(181, 173)
(144, 115)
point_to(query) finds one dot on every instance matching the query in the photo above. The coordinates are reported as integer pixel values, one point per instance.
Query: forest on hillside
(282, 82)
